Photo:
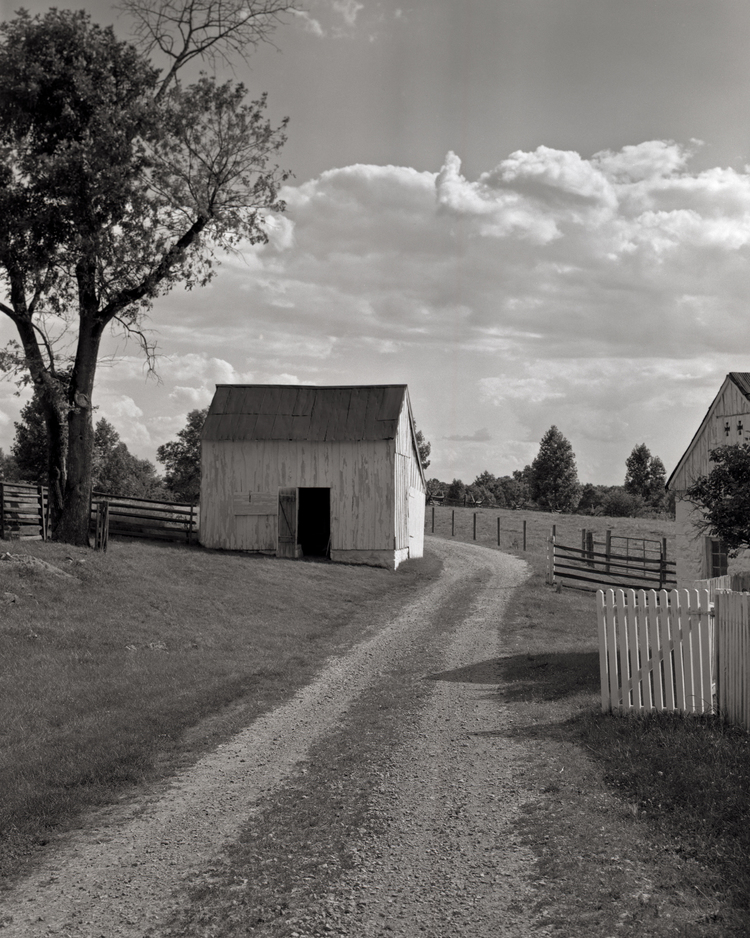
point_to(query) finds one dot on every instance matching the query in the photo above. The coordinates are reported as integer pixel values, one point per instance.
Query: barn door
(287, 544)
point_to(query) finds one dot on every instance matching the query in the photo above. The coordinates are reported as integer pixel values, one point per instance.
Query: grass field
(680, 786)
(538, 527)
(149, 655)
(156, 652)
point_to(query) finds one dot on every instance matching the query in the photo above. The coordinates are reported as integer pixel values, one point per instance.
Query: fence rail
(589, 568)
(24, 511)
(147, 518)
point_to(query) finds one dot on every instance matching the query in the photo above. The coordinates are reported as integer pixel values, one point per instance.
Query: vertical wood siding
(360, 476)
(731, 408)
(407, 476)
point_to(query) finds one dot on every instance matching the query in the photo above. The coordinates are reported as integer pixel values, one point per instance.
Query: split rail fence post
(433, 519)
(190, 525)
(608, 550)
(590, 547)
(663, 563)
(498, 530)
(453, 521)
(40, 500)
(550, 560)
(102, 525)
(475, 525)
(524, 534)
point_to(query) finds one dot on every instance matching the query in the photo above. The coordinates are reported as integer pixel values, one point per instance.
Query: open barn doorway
(314, 522)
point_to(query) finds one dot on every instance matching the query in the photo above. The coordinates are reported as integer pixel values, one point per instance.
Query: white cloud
(606, 294)
(309, 23)
(193, 398)
(348, 9)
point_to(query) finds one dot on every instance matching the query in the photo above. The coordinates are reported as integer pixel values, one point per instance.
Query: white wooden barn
(313, 471)
(727, 421)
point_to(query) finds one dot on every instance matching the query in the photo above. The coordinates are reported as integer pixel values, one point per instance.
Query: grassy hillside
(148, 654)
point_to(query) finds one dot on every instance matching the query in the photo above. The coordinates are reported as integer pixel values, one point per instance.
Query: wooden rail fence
(590, 568)
(24, 511)
(147, 518)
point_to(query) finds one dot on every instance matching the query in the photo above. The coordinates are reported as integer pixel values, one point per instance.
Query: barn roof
(304, 412)
(742, 381)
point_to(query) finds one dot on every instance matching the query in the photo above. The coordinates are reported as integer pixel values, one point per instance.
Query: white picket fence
(733, 656)
(656, 650)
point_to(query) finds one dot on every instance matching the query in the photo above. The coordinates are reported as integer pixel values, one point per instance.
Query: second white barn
(313, 471)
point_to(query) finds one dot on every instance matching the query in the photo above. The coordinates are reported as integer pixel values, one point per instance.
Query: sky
(532, 212)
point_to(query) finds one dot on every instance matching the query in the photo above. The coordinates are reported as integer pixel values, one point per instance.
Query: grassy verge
(149, 656)
(643, 824)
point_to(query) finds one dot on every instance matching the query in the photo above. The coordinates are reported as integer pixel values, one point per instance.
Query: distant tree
(515, 489)
(554, 482)
(645, 475)
(618, 503)
(485, 489)
(479, 494)
(456, 491)
(8, 468)
(590, 500)
(30, 445)
(117, 471)
(436, 487)
(724, 496)
(424, 448)
(182, 458)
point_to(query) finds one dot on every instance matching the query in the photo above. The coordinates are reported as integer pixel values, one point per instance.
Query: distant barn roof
(304, 413)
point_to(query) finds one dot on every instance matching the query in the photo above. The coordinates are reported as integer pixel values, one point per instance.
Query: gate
(655, 650)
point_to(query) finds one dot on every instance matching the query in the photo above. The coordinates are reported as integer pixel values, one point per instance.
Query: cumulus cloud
(478, 436)
(604, 293)
(348, 9)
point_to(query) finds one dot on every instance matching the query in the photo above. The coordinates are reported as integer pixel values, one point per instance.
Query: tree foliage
(424, 448)
(116, 185)
(723, 495)
(116, 471)
(554, 477)
(645, 475)
(182, 458)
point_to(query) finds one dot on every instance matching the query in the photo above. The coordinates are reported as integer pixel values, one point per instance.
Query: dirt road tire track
(127, 878)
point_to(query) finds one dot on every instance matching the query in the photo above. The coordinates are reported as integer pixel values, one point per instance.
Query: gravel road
(444, 860)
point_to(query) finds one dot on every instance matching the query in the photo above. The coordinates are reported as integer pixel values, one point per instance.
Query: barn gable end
(298, 470)
(727, 421)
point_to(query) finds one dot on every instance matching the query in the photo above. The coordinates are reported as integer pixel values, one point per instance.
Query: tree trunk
(72, 525)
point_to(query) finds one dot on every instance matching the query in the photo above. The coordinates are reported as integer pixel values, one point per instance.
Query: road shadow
(524, 678)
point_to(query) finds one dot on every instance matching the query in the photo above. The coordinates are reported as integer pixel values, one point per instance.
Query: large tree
(554, 477)
(115, 185)
(724, 496)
